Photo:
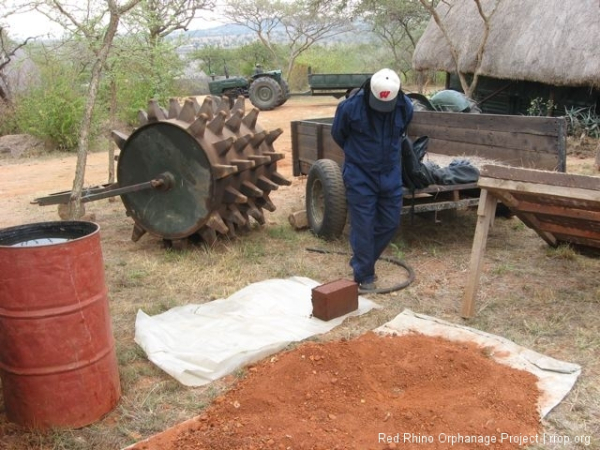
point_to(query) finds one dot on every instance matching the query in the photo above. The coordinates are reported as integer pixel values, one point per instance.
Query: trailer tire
(326, 208)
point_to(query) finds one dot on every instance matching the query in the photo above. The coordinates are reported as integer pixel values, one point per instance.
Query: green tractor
(265, 89)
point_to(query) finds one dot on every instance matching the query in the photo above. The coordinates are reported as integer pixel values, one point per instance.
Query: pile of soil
(372, 392)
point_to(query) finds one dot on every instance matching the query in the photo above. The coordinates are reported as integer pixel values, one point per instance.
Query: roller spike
(250, 119)
(231, 233)
(142, 117)
(198, 127)
(255, 212)
(266, 203)
(258, 139)
(241, 143)
(155, 112)
(188, 112)
(234, 215)
(195, 104)
(274, 156)
(137, 233)
(119, 138)
(260, 160)
(232, 195)
(223, 105)
(174, 108)
(216, 125)
(222, 147)
(251, 190)
(208, 235)
(207, 107)
(221, 170)
(235, 121)
(216, 223)
(265, 184)
(280, 179)
(239, 105)
(273, 134)
(242, 164)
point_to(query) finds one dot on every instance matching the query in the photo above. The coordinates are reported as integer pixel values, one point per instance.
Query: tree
(398, 24)
(97, 24)
(289, 27)
(160, 18)
(467, 87)
(8, 50)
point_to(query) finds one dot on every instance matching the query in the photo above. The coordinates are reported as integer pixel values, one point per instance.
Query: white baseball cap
(385, 85)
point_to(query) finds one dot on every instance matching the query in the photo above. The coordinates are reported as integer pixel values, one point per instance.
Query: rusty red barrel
(57, 355)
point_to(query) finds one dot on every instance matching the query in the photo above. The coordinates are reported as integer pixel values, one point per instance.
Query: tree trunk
(76, 209)
(112, 120)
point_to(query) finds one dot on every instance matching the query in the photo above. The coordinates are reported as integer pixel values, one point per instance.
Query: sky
(35, 24)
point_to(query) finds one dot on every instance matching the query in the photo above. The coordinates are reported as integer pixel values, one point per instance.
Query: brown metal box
(334, 299)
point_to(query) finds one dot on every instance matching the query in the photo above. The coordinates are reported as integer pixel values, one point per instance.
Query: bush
(582, 121)
(52, 109)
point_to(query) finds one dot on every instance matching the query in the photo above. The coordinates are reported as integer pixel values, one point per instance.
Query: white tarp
(555, 378)
(197, 344)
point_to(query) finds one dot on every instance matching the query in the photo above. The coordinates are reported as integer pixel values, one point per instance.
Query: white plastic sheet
(197, 344)
(555, 378)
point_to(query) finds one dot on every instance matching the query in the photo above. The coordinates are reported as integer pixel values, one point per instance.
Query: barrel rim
(77, 230)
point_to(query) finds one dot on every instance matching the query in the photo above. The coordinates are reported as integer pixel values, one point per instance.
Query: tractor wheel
(326, 208)
(286, 91)
(265, 93)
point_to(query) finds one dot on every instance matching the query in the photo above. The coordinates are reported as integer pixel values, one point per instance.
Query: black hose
(396, 287)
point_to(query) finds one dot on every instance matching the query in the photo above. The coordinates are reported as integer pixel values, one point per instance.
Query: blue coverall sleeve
(409, 109)
(339, 127)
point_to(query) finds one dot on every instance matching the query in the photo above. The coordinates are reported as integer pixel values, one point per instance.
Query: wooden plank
(510, 139)
(296, 169)
(485, 214)
(552, 126)
(539, 189)
(528, 219)
(538, 176)
(522, 158)
(561, 211)
(557, 229)
(419, 208)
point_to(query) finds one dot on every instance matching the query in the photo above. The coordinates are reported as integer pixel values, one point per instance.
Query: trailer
(520, 141)
(335, 84)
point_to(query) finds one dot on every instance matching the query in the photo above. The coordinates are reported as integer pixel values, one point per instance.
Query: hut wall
(515, 96)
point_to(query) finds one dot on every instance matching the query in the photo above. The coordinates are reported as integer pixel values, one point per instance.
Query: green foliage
(8, 123)
(53, 108)
(583, 121)
(539, 107)
(239, 61)
(140, 73)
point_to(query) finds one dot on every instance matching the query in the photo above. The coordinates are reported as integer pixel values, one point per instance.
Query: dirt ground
(334, 395)
(373, 392)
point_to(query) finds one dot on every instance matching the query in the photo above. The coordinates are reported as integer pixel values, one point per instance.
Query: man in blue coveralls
(369, 126)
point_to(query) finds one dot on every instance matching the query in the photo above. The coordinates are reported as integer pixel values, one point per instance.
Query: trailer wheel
(326, 199)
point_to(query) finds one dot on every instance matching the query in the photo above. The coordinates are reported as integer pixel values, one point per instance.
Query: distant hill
(233, 35)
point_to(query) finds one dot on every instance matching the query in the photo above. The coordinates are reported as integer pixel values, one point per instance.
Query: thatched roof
(555, 42)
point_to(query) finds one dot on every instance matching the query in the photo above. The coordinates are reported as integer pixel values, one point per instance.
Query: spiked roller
(218, 163)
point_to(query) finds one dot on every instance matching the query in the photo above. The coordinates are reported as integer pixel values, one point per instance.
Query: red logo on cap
(384, 94)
